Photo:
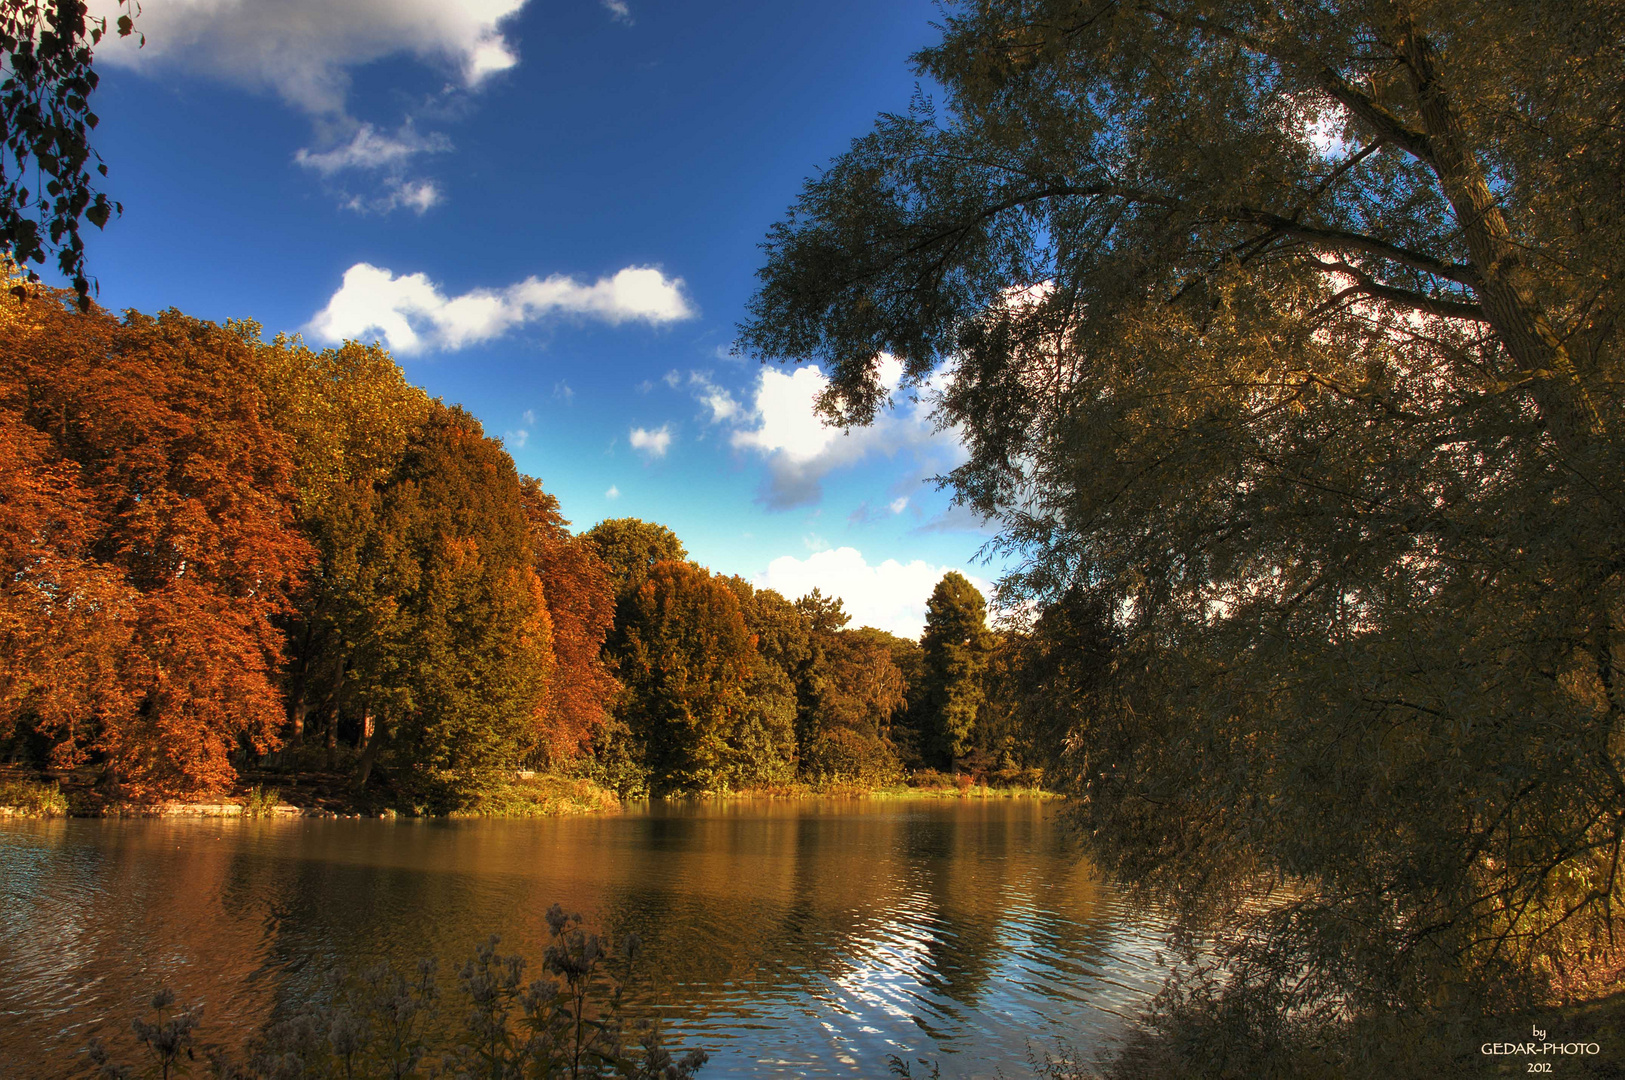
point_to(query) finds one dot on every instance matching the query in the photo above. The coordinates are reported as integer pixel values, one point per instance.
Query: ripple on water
(802, 939)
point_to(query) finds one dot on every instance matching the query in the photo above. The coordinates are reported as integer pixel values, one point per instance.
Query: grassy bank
(896, 791)
(283, 793)
(331, 793)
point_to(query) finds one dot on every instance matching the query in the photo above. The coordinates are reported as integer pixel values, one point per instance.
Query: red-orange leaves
(581, 601)
(146, 543)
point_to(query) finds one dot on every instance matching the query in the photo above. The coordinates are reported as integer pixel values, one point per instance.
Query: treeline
(217, 547)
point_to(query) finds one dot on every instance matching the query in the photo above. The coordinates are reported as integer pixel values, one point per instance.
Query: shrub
(33, 798)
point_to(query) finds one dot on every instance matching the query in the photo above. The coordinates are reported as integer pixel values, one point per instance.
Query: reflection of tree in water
(762, 926)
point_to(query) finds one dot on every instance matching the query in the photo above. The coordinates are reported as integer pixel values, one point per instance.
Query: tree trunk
(369, 752)
(1504, 289)
(301, 708)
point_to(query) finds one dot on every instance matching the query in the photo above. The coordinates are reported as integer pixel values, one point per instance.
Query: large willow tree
(1285, 340)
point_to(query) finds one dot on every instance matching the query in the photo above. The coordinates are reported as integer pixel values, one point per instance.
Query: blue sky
(550, 212)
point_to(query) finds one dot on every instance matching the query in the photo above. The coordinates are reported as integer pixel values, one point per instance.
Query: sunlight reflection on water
(791, 938)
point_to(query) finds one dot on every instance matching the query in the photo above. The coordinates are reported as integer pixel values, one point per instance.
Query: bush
(33, 798)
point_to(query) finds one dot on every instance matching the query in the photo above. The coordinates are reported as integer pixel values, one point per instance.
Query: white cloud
(417, 195)
(890, 596)
(898, 504)
(654, 443)
(530, 416)
(613, 492)
(369, 148)
(801, 449)
(412, 314)
(618, 10)
(563, 392)
(516, 439)
(303, 49)
(672, 378)
(719, 401)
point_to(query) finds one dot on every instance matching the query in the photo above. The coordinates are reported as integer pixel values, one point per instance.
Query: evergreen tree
(956, 647)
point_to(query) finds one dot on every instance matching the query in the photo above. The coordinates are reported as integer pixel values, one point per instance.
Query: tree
(581, 606)
(45, 124)
(456, 665)
(146, 525)
(684, 656)
(1286, 341)
(347, 415)
(953, 679)
(762, 743)
(630, 547)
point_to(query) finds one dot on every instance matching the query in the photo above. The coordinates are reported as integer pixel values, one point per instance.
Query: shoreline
(316, 795)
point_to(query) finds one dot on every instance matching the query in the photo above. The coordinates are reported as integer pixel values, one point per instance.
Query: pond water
(795, 939)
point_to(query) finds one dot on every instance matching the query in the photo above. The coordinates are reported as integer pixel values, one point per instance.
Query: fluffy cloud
(654, 443)
(412, 314)
(618, 10)
(719, 401)
(785, 428)
(890, 596)
(613, 492)
(303, 49)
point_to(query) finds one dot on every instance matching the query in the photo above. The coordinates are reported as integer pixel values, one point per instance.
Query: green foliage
(630, 547)
(45, 122)
(33, 798)
(685, 659)
(461, 667)
(956, 647)
(261, 801)
(1286, 347)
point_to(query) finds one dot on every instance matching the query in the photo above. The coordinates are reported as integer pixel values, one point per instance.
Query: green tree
(347, 415)
(630, 547)
(762, 743)
(1286, 340)
(685, 658)
(45, 125)
(455, 668)
(956, 646)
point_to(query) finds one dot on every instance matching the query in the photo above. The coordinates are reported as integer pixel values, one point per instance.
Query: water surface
(808, 938)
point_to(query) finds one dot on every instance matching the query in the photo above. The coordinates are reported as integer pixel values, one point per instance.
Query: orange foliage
(145, 543)
(581, 599)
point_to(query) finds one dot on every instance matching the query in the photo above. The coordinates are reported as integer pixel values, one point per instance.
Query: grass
(261, 801)
(543, 796)
(968, 789)
(33, 798)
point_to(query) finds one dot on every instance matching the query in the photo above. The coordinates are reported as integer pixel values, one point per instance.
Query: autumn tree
(685, 658)
(1285, 340)
(147, 532)
(348, 414)
(580, 597)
